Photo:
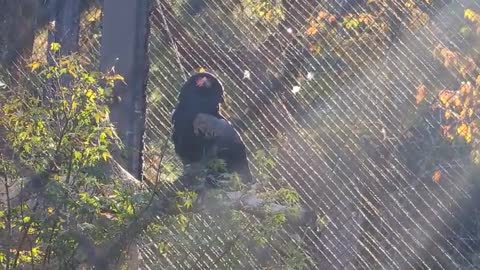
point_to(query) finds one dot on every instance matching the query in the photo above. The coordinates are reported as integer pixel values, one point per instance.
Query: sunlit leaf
(420, 93)
(331, 19)
(351, 23)
(409, 4)
(471, 15)
(26, 219)
(315, 49)
(312, 30)
(322, 14)
(437, 176)
(465, 88)
(465, 131)
(446, 96)
(34, 66)
(55, 46)
(446, 131)
(366, 18)
(105, 155)
(188, 203)
(115, 77)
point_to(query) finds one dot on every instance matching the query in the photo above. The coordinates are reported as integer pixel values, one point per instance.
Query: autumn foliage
(459, 107)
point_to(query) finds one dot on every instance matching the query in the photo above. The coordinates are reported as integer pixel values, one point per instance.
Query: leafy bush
(60, 135)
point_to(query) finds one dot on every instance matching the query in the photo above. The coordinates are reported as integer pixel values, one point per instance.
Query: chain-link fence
(334, 100)
(327, 90)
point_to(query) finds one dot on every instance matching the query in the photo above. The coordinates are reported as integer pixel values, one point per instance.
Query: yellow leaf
(465, 131)
(409, 4)
(457, 102)
(463, 114)
(445, 97)
(74, 105)
(115, 77)
(436, 176)
(322, 15)
(470, 15)
(55, 46)
(201, 69)
(34, 65)
(315, 48)
(448, 114)
(421, 93)
(312, 30)
(105, 155)
(97, 118)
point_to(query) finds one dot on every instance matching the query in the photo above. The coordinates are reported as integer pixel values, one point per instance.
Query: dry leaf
(322, 15)
(446, 96)
(421, 93)
(436, 176)
(465, 88)
(446, 130)
(448, 114)
(331, 19)
(312, 30)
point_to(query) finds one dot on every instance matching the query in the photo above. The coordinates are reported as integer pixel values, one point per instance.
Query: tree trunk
(17, 29)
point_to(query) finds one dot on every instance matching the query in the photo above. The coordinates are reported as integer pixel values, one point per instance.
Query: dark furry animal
(200, 132)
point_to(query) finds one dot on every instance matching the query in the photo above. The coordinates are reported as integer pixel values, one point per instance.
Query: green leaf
(188, 203)
(77, 155)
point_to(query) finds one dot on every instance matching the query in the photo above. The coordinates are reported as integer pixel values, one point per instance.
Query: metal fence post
(124, 48)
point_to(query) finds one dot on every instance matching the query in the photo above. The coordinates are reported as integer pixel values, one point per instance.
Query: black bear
(199, 130)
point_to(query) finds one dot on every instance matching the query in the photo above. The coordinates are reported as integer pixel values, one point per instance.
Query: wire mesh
(335, 109)
(325, 91)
